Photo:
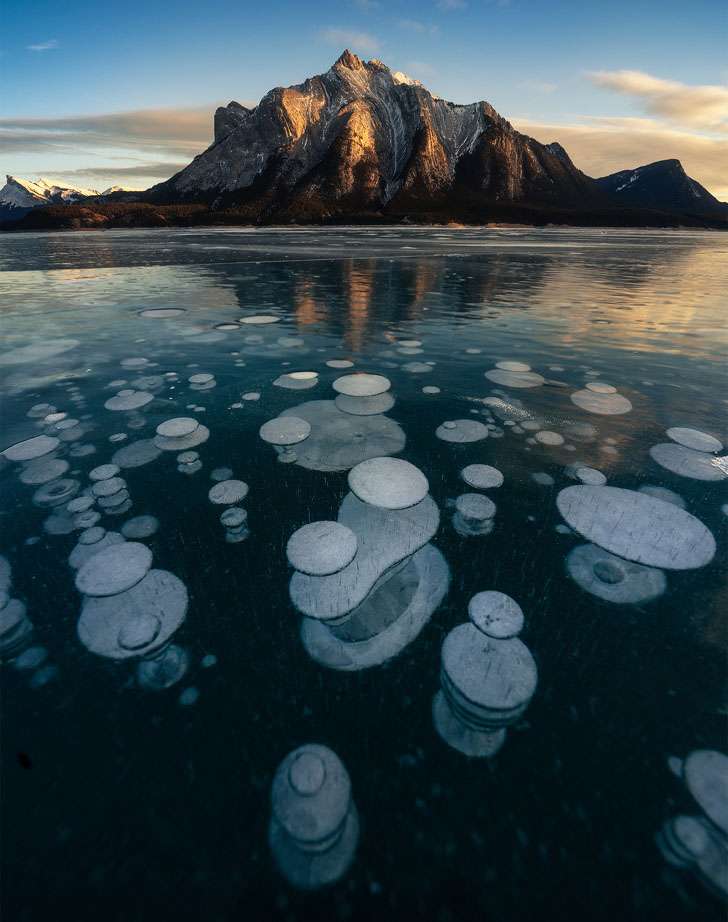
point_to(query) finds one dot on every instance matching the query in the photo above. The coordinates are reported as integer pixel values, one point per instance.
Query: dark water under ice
(122, 804)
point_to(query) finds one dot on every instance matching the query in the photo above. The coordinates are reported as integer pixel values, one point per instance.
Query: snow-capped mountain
(361, 138)
(18, 196)
(663, 185)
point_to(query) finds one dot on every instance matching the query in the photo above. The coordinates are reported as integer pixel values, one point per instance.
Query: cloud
(176, 132)
(600, 146)
(447, 6)
(154, 170)
(421, 28)
(367, 6)
(420, 69)
(43, 46)
(704, 106)
(346, 38)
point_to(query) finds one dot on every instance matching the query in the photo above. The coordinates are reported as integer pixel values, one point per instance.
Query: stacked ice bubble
(488, 677)
(368, 583)
(16, 629)
(130, 611)
(699, 843)
(314, 827)
(334, 435)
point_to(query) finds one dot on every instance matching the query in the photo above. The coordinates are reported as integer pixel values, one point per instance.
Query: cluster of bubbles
(699, 843)
(368, 583)
(487, 677)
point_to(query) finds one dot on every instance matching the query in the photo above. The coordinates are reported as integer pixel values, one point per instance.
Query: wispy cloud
(348, 38)
(43, 46)
(421, 28)
(420, 69)
(447, 6)
(703, 106)
(367, 6)
(178, 132)
(600, 146)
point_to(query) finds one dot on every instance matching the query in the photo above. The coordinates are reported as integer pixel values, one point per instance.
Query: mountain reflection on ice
(420, 642)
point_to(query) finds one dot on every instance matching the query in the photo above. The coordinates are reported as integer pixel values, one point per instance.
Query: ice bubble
(430, 389)
(259, 319)
(339, 440)
(314, 828)
(234, 517)
(461, 431)
(141, 526)
(177, 427)
(31, 449)
(139, 631)
(180, 443)
(136, 454)
(637, 527)
(694, 438)
(190, 457)
(16, 629)
(105, 488)
(340, 363)
(296, 381)
(80, 504)
(602, 404)
(389, 483)
(114, 569)
(321, 548)
(515, 378)
(56, 492)
(37, 352)
(285, 430)
(39, 410)
(687, 462)
(189, 697)
(104, 472)
(161, 313)
(208, 660)
(159, 596)
(545, 437)
(163, 668)
(43, 470)
(218, 473)
(481, 476)
(410, 343)
(612, 578)
(134, 362)
(706, 777)
(496, 614)
(365, 406)
(590, 476)
(386, 537)
(361, 384)
(199, 378)
(86, 548)
(129, 400)
(667, 496)
(31, 658)
(474, 507)
(251, 395)
(599, 388)
(228, 492)
(512, 366)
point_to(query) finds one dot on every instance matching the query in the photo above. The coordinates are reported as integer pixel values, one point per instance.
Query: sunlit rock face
(361, 137)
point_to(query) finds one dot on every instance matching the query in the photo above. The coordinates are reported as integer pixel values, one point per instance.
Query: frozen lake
(176, 405)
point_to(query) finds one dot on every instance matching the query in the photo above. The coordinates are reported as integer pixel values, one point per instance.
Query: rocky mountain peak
(349, 60)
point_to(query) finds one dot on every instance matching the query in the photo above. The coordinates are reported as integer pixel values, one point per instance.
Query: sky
(123, 93)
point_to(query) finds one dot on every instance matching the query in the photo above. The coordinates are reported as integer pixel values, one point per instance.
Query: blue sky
(556, 69)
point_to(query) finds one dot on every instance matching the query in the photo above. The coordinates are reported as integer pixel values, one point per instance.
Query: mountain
(18, 196)
(663, 184)
(363, 143)
(364, 139)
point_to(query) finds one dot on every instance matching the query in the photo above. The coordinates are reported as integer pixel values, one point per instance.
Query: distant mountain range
(364, 143)
(19, 196)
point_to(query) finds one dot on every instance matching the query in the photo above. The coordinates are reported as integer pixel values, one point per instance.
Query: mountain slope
(362, 138)
(665, 185)
(18, 196)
